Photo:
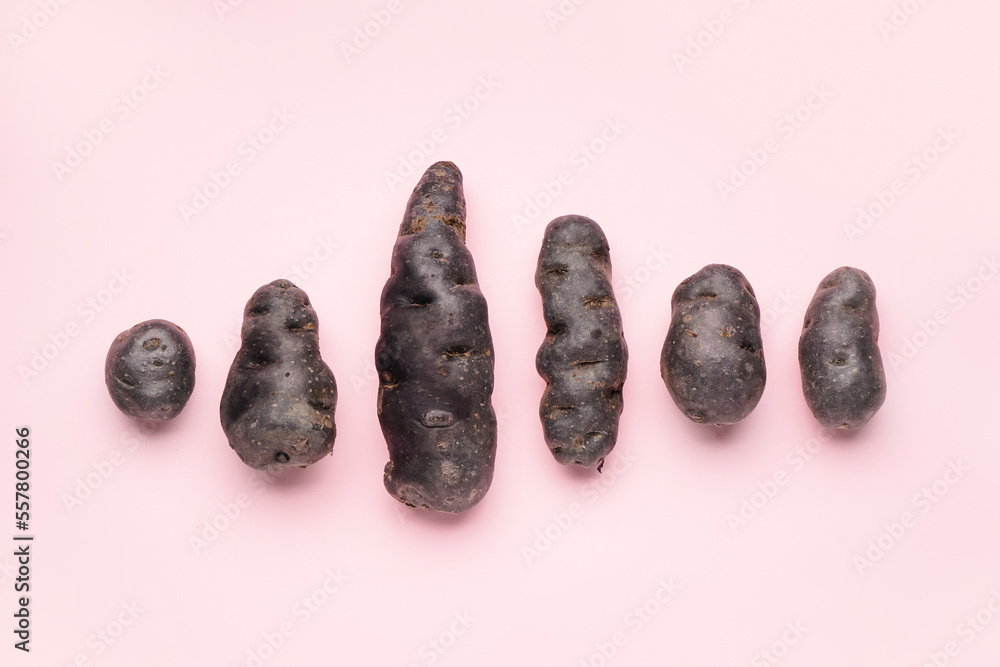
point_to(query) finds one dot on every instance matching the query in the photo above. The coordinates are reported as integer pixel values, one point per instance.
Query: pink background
(114, 555)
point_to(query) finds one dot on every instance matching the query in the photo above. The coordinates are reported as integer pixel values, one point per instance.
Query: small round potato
(149, 370)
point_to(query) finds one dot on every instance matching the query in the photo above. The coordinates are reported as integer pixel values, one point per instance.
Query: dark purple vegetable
(278, 404)
(583, 358)
(435, 356)
(149, 370)
(713, 358)
(843, 378)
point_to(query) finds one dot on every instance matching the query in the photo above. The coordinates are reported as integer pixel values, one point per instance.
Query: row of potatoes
(435, 360)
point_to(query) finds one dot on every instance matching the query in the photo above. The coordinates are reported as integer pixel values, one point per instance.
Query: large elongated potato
(278, 404)
(843, 378)
(435, 356)
(583, 358)
(713, 358)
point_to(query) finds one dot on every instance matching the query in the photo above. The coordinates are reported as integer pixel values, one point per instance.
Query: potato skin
(583, 358)
(278, 404)
(843, 378)
(149, 370)
(713, 358)
(434, 356)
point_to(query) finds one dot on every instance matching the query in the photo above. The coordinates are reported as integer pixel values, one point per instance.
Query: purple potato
(583, 358)
(278, 404)
(434, 356)
(843, 377)
(713, 358)
(149, 370)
